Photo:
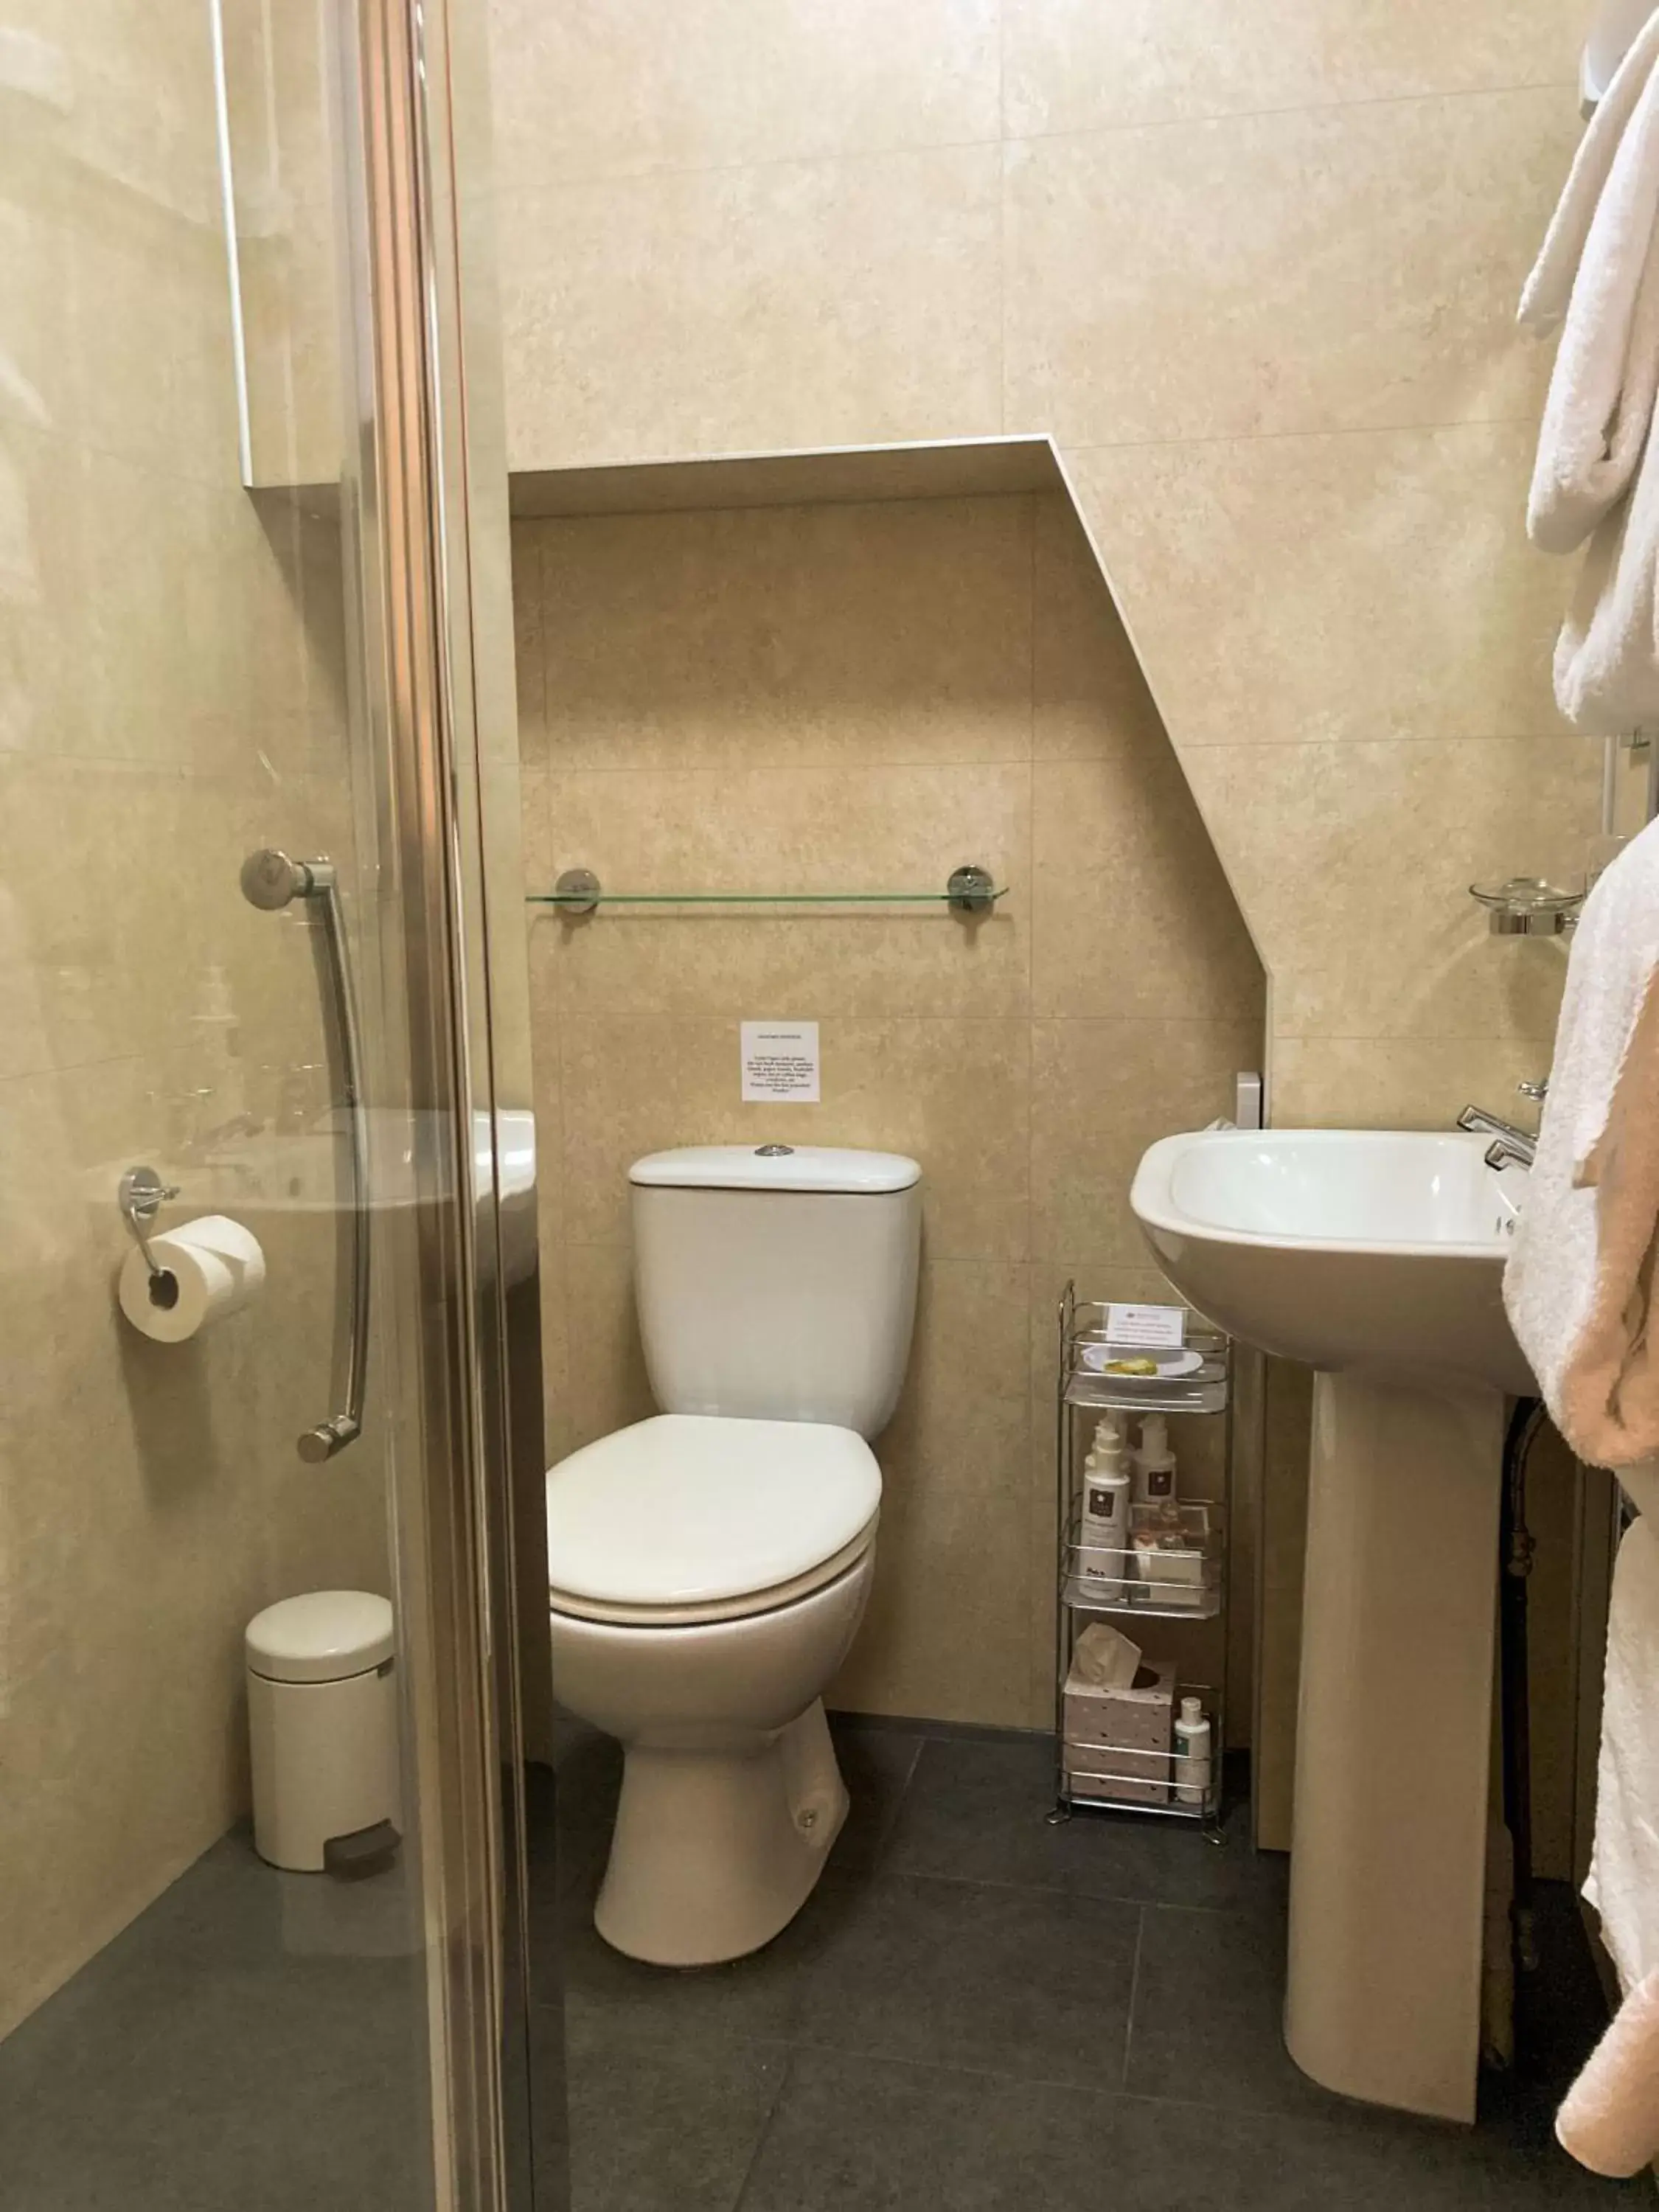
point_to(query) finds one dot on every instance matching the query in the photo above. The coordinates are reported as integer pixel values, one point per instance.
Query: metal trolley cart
(1166, 1588)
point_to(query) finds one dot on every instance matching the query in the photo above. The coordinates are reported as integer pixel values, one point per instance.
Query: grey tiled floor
(975, 2011)
(978, 2011)
(254, 2042)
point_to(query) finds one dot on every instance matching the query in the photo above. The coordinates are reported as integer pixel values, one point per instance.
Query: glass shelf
(756, 898)
(1081, 1596)
(1178, 1581)
(969, 890)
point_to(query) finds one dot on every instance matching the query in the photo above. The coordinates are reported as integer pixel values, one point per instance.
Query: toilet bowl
(707, 1568)
(712, 1574)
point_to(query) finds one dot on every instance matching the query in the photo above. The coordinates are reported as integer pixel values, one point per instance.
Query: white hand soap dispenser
(1107, 1485)
(1154, 1463)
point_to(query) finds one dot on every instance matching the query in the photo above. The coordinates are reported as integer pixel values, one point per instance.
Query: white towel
(1610, 2119)
(1606, 657)
(1579, 1281)
(1595, 476)
(1623, 1875)
(1549, 288)
(1599, 407)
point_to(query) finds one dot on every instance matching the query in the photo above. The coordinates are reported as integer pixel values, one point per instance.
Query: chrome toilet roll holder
(140, 1194)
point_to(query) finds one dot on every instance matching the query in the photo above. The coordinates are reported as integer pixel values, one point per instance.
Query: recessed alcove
(860, 667)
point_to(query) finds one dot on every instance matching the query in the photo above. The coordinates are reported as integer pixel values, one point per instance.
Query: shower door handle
(270, 881)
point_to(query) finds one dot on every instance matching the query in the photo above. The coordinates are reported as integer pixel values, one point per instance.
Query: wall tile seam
(26, 760)
(1454, 426)
(1281, 1035)
(1530, 1042)
(79, 182)
(127, 1059)
(829, 765)
(588, 179)
(162, 470)
(1425, 97)
(1431, 741)
(518, 197)
(154, 1059)
(1307, 432)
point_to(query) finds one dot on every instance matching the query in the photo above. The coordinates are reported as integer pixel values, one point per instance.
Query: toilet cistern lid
(322, 1636)
(776, 1167)
(689, 1509)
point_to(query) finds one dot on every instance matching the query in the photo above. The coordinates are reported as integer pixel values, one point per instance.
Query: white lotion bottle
(1193, 1758)
(1154, 1463)
(1108, 1487)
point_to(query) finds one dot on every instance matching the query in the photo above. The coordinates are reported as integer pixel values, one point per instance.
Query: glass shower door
(259, 1240)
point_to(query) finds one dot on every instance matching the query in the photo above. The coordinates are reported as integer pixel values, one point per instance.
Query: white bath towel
(1623, 1875)
(1596, 475)
(1549, 288)
(1609, 2121)
(1579, 1282)
(1599, 407)
(1606, 656)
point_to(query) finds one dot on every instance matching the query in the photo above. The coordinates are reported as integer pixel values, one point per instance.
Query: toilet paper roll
(210, 1268)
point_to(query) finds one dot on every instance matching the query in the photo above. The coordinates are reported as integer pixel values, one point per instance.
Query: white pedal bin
(322, 1701)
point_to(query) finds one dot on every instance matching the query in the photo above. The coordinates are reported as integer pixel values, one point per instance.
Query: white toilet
(708, 1568)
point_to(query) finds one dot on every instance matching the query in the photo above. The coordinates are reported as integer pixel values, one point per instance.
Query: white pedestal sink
(1377, 1257)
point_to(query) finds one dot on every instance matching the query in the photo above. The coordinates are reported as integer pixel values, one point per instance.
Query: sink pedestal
(1394, 1741)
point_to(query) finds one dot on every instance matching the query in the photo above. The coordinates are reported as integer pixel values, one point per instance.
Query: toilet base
(716, 1850)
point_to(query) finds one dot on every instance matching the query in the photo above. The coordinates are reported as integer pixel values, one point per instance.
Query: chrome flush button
(773, 1151)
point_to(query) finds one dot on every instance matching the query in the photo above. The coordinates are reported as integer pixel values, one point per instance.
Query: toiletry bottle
(1192, 1746)
(1154, 1463)
(1106, 1483)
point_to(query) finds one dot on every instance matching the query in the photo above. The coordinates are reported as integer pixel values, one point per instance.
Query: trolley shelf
(1202, 1389)
(1143, 1605)
(1181, 1585)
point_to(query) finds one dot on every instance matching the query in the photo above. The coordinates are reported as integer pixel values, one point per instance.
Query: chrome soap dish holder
(1526, 906)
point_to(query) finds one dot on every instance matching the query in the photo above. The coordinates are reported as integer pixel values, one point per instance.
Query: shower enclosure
(256, 729)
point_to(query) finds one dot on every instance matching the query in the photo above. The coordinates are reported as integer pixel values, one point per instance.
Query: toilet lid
(690, 1508)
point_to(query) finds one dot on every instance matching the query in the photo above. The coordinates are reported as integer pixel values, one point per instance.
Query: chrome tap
(1508, 1142)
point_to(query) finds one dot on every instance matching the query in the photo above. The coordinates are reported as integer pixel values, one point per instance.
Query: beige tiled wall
(169, 696)
(863, 697)
(1253, 263)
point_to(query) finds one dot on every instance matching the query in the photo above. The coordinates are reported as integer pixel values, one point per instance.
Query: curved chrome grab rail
(270, 881)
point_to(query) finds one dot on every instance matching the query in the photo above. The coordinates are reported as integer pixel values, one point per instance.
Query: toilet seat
(690, 1517)
(748, 1607)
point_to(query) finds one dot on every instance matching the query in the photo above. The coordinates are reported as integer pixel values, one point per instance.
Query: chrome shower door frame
(418, 579)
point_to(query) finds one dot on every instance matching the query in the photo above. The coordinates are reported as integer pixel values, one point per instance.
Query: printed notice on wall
(1150, 1326)
(781, 1061)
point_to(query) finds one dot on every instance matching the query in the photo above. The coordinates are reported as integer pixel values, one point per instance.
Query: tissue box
(1108, 1777)
(1124, 1733)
